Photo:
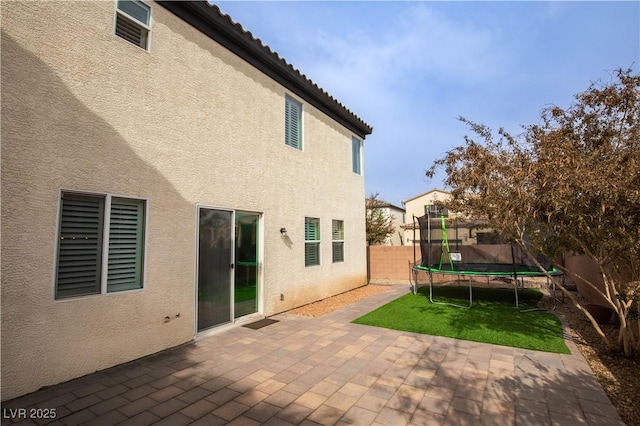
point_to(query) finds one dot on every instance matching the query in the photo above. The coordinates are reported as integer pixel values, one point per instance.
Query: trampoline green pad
(486, 269)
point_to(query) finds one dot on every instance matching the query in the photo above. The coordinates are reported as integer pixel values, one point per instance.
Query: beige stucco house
(417, 206)
(460, 230)
(164, 175)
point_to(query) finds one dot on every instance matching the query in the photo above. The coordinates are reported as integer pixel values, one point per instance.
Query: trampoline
(491, 258)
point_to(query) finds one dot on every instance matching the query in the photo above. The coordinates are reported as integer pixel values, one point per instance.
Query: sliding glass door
(228, 266)
(246, 275)
(215, 266)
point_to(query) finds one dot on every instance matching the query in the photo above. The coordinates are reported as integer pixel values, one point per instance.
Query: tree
(568, 184)
(379, 225)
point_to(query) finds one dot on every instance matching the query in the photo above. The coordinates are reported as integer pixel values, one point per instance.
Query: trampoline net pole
(428, 237)
(414, 272)
(414, 239)
(515, 275)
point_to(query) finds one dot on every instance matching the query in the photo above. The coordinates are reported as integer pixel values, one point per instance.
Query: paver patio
(328, 371)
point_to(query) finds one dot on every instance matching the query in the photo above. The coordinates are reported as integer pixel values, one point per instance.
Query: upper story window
(100, 244)
(356, 160)
(293, 123)
(133, 22)
(435, 211)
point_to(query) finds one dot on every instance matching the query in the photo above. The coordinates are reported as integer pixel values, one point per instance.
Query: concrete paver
(327, 371)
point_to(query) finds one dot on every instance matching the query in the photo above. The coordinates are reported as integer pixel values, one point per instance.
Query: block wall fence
(391, 265)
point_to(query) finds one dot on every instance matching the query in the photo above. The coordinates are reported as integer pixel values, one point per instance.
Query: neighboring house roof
(209, 20)
(384, 204)
(423, 194)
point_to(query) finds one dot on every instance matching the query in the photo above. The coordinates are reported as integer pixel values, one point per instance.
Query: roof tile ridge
(282, 60)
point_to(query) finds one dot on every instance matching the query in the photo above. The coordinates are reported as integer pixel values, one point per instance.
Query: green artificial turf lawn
(244, 293)
(493, 317)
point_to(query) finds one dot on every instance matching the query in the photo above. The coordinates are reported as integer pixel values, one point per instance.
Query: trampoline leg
(431, 288)
(551, 285)
(412, 279)
(518, 304)
(449, 304)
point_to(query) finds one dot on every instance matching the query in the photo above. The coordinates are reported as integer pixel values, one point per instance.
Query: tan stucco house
(418, 206)
(164, 175)
(460, 230)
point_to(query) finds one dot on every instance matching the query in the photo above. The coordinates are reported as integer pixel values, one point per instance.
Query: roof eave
(209, 20)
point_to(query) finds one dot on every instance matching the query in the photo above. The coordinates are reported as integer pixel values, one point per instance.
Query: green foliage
(379, 225)
(493, 318)
(568, 184)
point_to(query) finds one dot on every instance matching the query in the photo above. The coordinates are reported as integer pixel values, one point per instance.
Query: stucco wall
(582, 269)
(184, 124)
(415, 207)
(397, 238)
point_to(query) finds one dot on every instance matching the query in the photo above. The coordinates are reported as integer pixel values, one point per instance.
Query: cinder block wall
(390, 264)
(588, 270)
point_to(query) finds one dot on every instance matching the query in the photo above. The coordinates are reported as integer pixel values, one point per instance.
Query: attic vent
(133, 20)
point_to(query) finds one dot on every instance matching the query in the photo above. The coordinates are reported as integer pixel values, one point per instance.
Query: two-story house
(164, 174)
(461, 230)
(421, 205)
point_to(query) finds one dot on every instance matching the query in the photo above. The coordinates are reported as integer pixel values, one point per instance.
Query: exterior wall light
(283, 232)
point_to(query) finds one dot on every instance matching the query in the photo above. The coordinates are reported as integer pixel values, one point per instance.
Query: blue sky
(410, 69)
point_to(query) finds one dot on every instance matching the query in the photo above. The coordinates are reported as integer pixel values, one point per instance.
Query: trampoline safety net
(464, 248)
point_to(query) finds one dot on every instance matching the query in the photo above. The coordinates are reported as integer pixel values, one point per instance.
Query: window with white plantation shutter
(133, 22)
(125, 245)
(311, 241)
(293, 123)
(85, 244)
(356, 163)
(337, 236)
(79, 246)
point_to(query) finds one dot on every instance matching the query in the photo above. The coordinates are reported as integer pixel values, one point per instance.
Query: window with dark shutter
(125, 245)
(86, 243)
(311, 241)
(293, 123)
(355, 156)
(337, 236)
(79, 246)
(133, 22)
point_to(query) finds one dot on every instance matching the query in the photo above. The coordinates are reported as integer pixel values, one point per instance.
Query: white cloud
(417, 46)
(411, 68)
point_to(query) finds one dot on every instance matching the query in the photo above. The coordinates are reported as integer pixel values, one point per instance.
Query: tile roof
(388, 204)
(425, 193)
(210, 20)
